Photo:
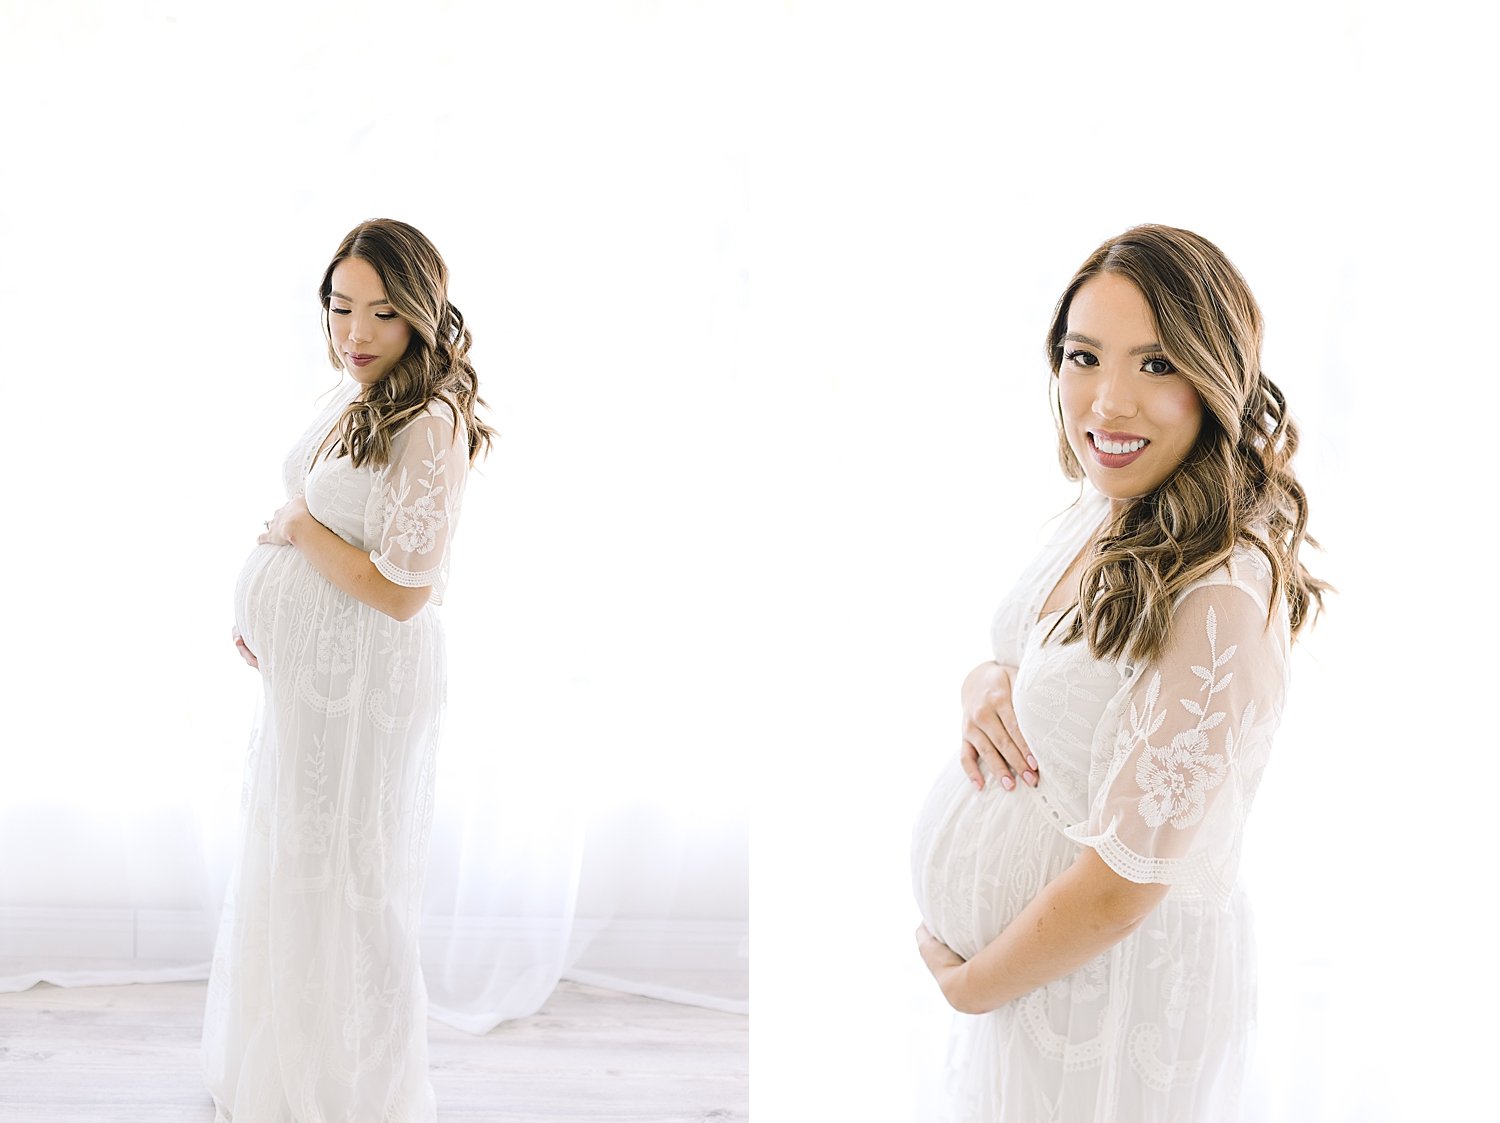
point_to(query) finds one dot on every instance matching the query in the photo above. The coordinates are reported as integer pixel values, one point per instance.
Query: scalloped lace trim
(1193, 876)
(411, 580)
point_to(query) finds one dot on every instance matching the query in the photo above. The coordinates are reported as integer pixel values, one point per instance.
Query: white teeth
(1117, 448)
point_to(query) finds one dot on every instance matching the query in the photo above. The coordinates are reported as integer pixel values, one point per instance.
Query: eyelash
(378, 315)
(1072, 357)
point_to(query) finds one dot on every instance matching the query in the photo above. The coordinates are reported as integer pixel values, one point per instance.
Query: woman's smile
(1116, 450)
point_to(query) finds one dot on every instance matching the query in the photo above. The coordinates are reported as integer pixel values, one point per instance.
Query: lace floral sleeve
(420, 492)
(1169, 798)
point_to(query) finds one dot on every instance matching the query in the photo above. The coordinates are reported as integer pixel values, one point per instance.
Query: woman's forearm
(1076, 917)
(350, 569)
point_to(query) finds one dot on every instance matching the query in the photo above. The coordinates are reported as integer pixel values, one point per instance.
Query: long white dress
(1155, 766)
(316, 1006)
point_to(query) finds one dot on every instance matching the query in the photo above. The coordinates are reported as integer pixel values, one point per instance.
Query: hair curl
(1236, 484)
(435, 365)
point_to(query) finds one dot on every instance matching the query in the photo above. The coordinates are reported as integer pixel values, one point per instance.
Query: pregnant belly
(266, 587)
(978, 858)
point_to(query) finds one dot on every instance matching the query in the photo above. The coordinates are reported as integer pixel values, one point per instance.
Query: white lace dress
(316, 1006)
(1155, 767)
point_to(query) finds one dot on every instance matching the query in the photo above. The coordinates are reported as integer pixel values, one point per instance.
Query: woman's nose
(358, 329)
(1114, 396)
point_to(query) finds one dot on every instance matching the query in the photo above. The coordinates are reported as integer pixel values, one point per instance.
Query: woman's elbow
(1115, 902)
(406, 603)
(959, 990)
(968, 1004)
(1127, 908)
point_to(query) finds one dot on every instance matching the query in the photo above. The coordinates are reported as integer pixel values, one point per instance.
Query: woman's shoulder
(429, 433)
(438, 415)
(441, 408)
(1247, 569)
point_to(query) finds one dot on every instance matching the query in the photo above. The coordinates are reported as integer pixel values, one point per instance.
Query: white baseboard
(60, 936)
(601, 944)
(679, 945)
(65, 935)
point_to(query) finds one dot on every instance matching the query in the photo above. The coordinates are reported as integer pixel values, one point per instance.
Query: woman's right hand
(245, 653)
(990, 730)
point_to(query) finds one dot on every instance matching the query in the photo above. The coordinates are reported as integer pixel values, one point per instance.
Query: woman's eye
(1082, 358)
(385, 315)
(1158, 365)
(338, 311)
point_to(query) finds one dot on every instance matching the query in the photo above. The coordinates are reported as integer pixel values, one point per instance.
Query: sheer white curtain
(172, 199)
(945, 168)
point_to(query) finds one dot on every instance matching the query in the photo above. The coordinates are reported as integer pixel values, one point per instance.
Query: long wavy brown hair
(1236, 484)
(435, 365)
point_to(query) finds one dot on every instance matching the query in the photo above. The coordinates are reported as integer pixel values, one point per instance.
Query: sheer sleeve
(421, 491)
(1169, 803)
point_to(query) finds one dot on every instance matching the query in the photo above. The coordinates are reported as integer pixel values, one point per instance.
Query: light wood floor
(130, 1054)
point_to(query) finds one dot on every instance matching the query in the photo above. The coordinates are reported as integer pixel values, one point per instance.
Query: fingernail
(1030, 778)
(1031, 760)
(1007, 783)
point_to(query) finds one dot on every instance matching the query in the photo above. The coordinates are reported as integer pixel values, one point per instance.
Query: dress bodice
(345, 500)
(1061, 694)
(338, 494)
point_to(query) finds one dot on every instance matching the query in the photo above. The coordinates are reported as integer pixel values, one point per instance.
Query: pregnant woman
(316, 1005)
(1076, 877)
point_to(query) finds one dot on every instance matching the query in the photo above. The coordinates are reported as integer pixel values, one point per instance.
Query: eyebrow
(383, 300)
(1078, 337)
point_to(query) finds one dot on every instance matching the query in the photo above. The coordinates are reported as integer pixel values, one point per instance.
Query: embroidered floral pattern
(1089, 981)
(417, 523)
(1177, 778)
(335, 650)
(311, 826)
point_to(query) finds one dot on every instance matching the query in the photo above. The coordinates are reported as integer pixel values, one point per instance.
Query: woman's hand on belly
(990, 730)
(345, 566)
(279, 526)
(1074, 918)
(941, 960)
(245, 653)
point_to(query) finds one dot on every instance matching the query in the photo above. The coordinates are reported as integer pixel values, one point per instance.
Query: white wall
(177, 176)
(939, 172)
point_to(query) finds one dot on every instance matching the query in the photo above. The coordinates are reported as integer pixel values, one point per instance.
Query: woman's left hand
(279, 526)
(944, 963)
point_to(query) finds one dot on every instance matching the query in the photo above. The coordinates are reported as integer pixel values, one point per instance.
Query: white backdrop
(174, 187)
(938, 173)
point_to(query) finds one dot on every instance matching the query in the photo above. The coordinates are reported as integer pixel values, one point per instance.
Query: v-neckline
(1051, 584)
(330, 438)
(320, 453)
(1043, 611)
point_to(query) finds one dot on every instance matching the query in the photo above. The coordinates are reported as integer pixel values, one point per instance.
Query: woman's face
(1129, 417)
(367, 334)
